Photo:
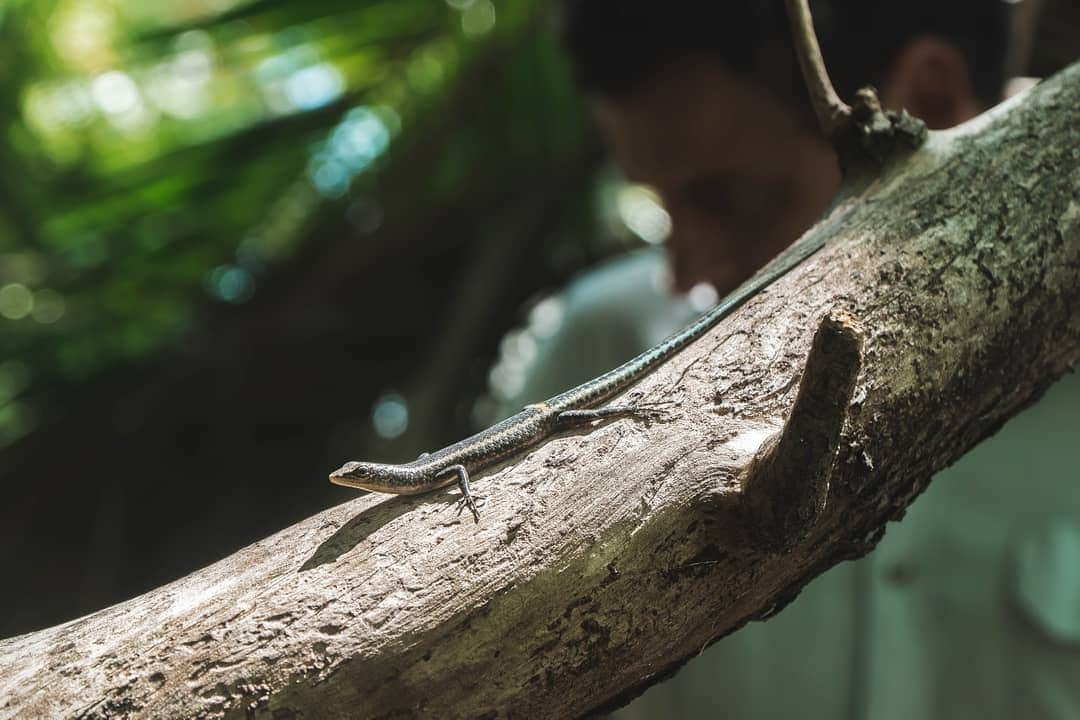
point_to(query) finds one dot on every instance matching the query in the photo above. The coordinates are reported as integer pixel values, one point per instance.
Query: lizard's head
(364, 475)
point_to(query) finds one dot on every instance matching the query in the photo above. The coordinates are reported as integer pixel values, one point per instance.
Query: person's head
(704, 101)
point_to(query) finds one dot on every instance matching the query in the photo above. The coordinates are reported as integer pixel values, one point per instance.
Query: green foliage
(160, 156)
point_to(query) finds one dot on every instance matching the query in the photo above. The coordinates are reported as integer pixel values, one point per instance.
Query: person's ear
(931, 80)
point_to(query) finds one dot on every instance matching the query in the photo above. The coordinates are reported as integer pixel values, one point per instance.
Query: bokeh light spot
(353, 146)
(640, 210)
(546, 317)
(16, 301)
(115, 92)
(49, 306)
(702, 296)
(359, 139)
(507, 378)
(390, 415)
(315, 86)
(365, 215)
(193, 40)
(478, 18)
(83, 33)
(330, 177)
(231, 283)
(425, 73)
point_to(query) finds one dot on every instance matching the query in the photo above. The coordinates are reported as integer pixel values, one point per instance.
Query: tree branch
(832, 112)
(605, 560)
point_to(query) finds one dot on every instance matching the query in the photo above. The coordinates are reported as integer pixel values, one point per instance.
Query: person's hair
(618, 45)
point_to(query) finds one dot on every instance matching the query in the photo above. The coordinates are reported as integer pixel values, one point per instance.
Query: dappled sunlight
(139, 119)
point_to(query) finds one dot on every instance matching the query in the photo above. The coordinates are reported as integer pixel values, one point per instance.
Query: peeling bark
(604, 560)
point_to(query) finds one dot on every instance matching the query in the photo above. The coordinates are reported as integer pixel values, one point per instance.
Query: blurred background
(242, 242)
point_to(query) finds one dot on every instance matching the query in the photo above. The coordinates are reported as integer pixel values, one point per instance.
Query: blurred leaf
(160, 156)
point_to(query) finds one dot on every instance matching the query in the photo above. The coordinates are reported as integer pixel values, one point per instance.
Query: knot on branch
(870, 135)
(789, 480)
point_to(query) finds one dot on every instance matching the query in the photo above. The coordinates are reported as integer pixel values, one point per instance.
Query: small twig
(832, 112)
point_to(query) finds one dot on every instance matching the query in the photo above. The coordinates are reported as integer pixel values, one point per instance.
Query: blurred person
(970, 607)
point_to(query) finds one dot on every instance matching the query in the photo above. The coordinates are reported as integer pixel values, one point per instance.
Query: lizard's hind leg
(576, 418)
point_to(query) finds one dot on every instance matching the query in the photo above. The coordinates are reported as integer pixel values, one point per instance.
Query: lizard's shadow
(359, 527)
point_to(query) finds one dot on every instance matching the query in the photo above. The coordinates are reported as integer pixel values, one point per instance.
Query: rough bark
(605, 559)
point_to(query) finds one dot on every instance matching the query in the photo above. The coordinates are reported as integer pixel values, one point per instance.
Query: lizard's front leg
(467, 500)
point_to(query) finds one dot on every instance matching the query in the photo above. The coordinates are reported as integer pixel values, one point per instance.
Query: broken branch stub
(789, 482)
